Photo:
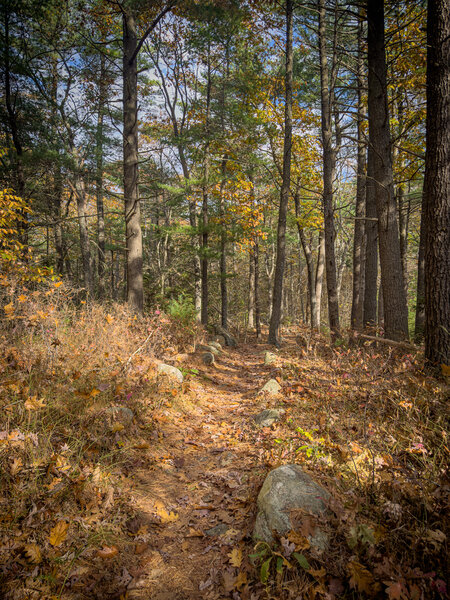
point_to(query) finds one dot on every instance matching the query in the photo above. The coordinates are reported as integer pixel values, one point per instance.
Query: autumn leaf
(108, 552)
(117, 427)
(302, 561)
(163, 514)
(395, 591)
(33, 553)
(58, 533)
(361, 579)
(109, 319)
(33, 403)
(236, 557)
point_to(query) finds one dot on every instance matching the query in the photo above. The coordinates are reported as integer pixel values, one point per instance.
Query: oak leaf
(58, 533)
(33, 553)
(108, 552)
(236, 557)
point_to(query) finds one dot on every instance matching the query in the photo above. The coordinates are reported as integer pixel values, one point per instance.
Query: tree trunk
(102, 90)
(356, 319)
(285, 186)
(320, 268)
(133, 233)
(419, 328)
(309, 266)
(395, 307)
(371, 249)
(204, 236)
(251, 290)
(257, 304)
(84, 234)
(329, 160)
(436, 196)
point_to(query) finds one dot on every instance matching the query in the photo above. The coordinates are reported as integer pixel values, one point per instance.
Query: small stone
(272, 387)
(121, 413)
(208, 358)
(171, 372)
(285, 489)
(217, 530)
(269, 358)
(268, 417)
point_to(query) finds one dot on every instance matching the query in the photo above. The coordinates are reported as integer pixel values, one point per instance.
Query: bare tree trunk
(99, 176)
(204, 236)
(356, 319)
(133, 233)
(251, 291)
(395, 307)
(257, 304)
(419, 329)
(320, 268)
(309, 266)
(436, 196)
(84, 234)
(329, 160)
(285, 186)
(371, 249)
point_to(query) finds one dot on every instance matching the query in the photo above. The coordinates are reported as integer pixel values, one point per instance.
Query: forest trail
(195, 503)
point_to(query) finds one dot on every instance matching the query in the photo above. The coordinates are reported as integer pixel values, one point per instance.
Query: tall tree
(285, 186)
(133, 232)
(327, 81)
(436, 195)
(395, 307)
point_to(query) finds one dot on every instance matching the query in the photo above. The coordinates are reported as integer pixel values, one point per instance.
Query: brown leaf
(361, 579)
(108, 552)
(236, 557)
(58, 533)
(394, 590)
(140, 548)
(33, 553)
(229, 581)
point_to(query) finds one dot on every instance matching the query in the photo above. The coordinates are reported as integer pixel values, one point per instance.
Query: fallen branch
(372, 338)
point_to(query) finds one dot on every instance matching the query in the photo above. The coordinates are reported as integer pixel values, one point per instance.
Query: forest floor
(163, 506)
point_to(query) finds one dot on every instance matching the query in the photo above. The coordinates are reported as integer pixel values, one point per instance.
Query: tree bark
(320, 268)
(257, 303)
(204, 235)
(80, 190)
(309, 265)
(395, 307)
(371, 249)
(102, 90)
(133, 233)
(356, 319)
(436, 195)
(285, 186)
(329, 161)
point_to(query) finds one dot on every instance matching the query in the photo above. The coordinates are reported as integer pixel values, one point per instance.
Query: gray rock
(207, 348)
(219, 529)
(216, 345)
(170, 372)
(121, 413)
(208, 358)
(271, 387)
(229, 339)
(269, 358)
(268, 417)
(285, 489)
(220, 339)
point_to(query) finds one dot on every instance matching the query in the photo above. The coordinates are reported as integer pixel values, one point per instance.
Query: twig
(373, 338)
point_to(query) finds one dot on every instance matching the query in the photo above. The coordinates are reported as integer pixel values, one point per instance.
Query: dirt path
(196, 502)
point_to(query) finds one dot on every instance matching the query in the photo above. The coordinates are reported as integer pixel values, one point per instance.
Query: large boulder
(170, 372)
(269, 358)
(286, 489)
(272, 387)
(268, 417)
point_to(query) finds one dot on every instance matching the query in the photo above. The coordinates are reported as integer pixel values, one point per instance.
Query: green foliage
(182, 309)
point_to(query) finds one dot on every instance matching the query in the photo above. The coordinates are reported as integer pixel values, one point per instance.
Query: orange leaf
(108, 552)
(58, 533)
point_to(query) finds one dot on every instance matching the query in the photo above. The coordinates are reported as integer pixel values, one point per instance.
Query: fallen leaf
(58, 533)
(33, 403)
(140, 548)
(108, 552)
(361, 579)
(33, 553)
(117, 427)
(229, 581)
(163, 514)
(236, 557)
